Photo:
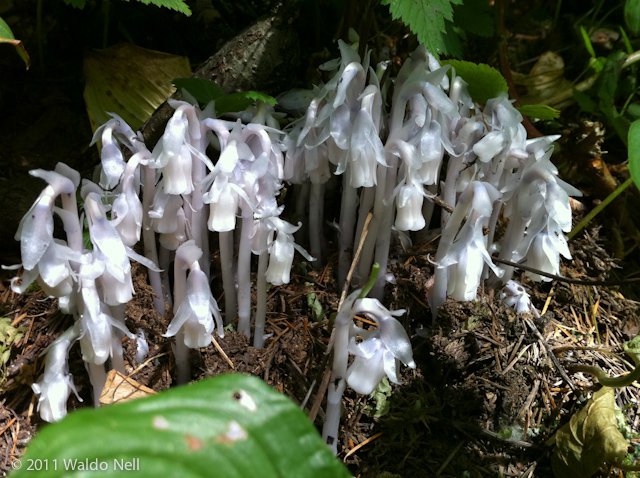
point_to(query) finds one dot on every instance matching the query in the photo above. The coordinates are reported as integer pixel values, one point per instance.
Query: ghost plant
(401, 145)
(377, 353)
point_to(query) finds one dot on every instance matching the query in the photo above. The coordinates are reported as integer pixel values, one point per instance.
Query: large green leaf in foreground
(227, 426)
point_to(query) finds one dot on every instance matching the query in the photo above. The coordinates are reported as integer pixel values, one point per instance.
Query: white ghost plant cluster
(402, 145)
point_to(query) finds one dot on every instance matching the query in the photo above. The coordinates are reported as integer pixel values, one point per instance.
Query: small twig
(222, 352)
(361, 444)
(568, 280)
(315, 408)
(552, 356)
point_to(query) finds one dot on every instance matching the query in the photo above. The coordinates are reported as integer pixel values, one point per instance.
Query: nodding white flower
(126, 211)
(462, 252)
(380, 351)
(196, 313)
(106, 240)
(281, 251)
(544, 254)
(539, 213)
(516, 297)
(224, 200)
(173, 155)
(114, 134)
(365, 149)
(196, 307)
(409, 208)
(35, 231)
(56, 383)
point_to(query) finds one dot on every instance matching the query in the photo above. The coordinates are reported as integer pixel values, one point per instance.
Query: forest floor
(489, 388)
(483, 400)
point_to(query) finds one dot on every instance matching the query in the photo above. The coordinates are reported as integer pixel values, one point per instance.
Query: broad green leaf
(130, 81)
(240, 101)
(632, 15)
(425, 18)
(177, 5)
(6, 36)
(485, 82)
(543, 112)
(229, 426)
(203, 91)
(590, 439)
(634, 152)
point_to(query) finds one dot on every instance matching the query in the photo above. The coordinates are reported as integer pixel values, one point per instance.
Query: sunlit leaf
(231, 426)
(543, 112)
(426, 18)
(130, 81)
(590, 439)
(484, 81)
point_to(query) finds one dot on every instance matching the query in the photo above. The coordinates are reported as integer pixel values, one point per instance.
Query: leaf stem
(595, 211)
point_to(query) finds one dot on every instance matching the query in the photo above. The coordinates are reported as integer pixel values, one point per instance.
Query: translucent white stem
(98, 378)
(316, 219)
(244, 276)
(348, 208)
(225, 241)
(149, 239)
(261, 300)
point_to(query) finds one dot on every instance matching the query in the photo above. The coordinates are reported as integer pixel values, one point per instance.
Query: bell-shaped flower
(126, 212)
(462, 252)
(196, 313)
(380, 351)
(35, 231)
(55, 385)
(106, 240)
(465, 260)
(114, 134)
(224, 200)
(281, 252)
(515, 296)
(544, 254)
(409, 207)
(173, 155)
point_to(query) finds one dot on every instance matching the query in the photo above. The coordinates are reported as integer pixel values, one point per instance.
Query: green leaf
(204, 91)
(230, 426)
(634, 152)
(177, 5)
(5, 31)
(590, 439)
(130, 81)
(314, 306)
(241, 100)
(485, 82)
(6, 36)
(543, 112)
(632, 15)
(425, 18)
